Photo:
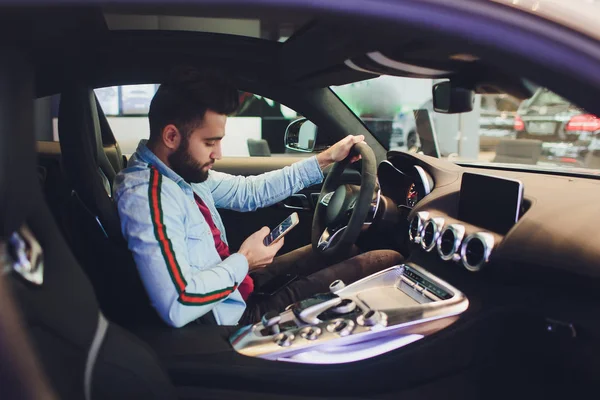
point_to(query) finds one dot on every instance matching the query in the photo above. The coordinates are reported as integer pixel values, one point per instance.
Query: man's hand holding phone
(260, 247)
(255, 251)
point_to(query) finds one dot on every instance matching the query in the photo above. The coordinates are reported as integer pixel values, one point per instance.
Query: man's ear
(171, 137)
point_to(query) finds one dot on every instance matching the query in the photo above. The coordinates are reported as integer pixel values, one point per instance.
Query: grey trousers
(314, 276)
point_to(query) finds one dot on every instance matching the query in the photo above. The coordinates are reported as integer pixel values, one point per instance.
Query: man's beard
(185, 166)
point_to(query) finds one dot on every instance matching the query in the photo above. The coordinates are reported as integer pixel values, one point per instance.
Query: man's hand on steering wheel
(342, 209)
(339, 151)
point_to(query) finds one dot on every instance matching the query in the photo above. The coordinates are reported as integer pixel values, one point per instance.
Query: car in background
(566, 131)
(496, 122)
(136, 99)
(496, 119)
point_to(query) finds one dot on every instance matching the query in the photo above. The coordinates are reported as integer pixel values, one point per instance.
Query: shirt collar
(146, 155)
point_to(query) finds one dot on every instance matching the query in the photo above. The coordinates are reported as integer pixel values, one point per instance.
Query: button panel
(284, 339)
(342, 327)
(346, 317)
(372, 318)
(310, 332)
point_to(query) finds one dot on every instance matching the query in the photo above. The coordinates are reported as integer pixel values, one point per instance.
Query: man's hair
(184, 98)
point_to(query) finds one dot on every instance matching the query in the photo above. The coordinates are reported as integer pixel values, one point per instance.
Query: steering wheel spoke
(344, 210)
(325, 199)
(328, 237)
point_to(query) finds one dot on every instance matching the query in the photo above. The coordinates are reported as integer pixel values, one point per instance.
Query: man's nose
(216, 154)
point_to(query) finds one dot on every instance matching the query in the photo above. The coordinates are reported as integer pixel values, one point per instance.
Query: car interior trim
(458, 233)
(404, 67)
(487, 242)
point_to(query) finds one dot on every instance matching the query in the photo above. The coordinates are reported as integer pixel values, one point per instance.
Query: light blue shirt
(172, 243)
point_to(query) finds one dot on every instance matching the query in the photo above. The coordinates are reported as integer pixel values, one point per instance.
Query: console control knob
(342, 327)
(336, 285)
(311, 332)
(284, 339)
(346, 306)
(270, 321)
(372, 318)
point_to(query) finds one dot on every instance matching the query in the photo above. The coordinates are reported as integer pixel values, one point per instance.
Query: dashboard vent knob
(448, 244)
(416, 226)
(476, 250)
(431, 232)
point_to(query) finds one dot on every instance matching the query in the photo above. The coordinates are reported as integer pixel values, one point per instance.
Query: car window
(257, 129)
(544, 131)
(545, 97)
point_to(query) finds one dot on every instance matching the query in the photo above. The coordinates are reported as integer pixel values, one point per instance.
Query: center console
(377, 314)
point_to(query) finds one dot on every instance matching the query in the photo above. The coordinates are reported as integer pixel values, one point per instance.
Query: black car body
(565, 130)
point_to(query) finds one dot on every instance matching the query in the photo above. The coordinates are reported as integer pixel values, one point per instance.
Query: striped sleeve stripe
(160, 231)
(207, 298)
(166, 247)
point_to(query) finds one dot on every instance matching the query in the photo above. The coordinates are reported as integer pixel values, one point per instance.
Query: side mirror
(448, 99)
(301, 135)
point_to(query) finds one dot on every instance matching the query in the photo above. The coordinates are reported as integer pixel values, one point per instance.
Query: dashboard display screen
(490, 202)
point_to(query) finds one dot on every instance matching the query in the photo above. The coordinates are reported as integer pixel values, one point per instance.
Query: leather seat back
(109, 143)
(86, 165)
(97, 239)
(83, 355)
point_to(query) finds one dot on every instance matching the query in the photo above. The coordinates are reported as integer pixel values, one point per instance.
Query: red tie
(247, 285)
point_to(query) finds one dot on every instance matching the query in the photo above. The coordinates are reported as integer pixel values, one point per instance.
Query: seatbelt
(99, 336)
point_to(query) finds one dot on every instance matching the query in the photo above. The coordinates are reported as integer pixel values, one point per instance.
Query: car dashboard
(533, 221)
(492, 255)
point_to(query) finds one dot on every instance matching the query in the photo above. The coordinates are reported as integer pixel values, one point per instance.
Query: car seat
(83, 355)
(95, 226)
(258, 148)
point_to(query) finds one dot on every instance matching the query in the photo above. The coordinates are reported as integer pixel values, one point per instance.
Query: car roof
(579, 15)
(327, 47)
(83, 43)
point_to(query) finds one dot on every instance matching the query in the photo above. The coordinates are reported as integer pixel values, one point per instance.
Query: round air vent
(416, 226)
(431, 232)
(448, 244)
(476, 249)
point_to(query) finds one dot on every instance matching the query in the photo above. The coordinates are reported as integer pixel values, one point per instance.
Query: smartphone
(282, 229)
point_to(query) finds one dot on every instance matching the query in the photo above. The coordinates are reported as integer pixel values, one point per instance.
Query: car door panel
(241, 225)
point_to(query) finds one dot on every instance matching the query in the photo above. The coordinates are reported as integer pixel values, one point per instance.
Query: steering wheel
(343, 210)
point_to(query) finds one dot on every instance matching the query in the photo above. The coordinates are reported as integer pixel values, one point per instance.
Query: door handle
(296, 202)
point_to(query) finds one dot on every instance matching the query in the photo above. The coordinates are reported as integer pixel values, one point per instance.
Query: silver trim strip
(326, 198)
(400, 66)
(101, 329)
(423, 175)
(355, 67)
(303, 199)
(374, 208)
(459, 232)
(487, 241)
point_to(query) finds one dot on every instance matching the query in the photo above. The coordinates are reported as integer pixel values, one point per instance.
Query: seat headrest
(18, 173)
(79, 130)
(78, 122)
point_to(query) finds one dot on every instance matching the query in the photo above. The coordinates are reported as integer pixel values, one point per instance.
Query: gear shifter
(308, 310)
(270, 321)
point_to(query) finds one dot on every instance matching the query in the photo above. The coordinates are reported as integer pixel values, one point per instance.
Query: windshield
(544, 131)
